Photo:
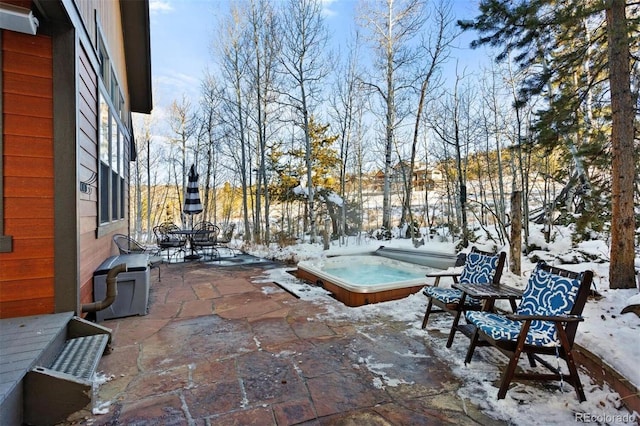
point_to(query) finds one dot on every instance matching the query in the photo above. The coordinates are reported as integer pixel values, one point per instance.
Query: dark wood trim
(354, 299)
(6, 242)
(106, 229)
(66, 241)
(137, 51)
(601, 372)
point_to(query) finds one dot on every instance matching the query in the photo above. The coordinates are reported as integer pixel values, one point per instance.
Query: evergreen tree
(578, 51)
(325, 168)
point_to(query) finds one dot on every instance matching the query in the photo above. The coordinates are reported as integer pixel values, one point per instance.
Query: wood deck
(24, 343)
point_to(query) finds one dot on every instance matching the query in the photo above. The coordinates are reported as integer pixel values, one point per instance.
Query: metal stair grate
(80, 356)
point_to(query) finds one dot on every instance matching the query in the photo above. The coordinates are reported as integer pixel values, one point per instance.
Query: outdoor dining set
(202, 241)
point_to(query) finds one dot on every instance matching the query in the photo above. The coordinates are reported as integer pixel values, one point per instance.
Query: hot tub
(360, 280)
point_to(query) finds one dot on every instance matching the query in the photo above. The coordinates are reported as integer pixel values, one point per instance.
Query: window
(111, 176)
(112, 140)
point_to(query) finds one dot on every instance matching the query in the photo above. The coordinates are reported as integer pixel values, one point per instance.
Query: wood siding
(87, 162)
(26, 273)
(93, 250)
(50, 168)
(110, 23)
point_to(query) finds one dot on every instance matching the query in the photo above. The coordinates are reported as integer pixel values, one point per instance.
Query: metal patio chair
(127, 245)
(225, 237)
(169, 242)
(205, 237)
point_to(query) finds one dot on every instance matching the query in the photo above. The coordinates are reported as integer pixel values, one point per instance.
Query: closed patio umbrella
(192, 204)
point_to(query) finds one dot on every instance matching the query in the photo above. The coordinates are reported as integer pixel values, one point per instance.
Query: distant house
(421, 176)
(426, 176)
(72, 72)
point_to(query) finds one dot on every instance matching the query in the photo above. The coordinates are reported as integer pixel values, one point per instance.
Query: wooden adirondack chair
(545, 323)
(479, 267)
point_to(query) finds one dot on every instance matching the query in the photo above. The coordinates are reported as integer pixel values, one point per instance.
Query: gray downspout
(112, 290)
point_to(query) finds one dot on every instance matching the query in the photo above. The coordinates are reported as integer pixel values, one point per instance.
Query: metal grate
(80, 356)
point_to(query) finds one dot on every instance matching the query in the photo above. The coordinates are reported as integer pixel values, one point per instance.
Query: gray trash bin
(133, 286)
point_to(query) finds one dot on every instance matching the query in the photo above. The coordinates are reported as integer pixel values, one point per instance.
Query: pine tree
(574, 56)
(325, 166)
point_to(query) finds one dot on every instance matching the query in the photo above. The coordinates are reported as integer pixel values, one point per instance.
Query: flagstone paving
(218, 349)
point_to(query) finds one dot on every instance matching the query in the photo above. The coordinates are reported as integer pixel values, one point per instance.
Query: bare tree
(435, 46)
(493, 117)
(182, 124)
(391, 27)
(264, 46)
(454, 127)
(304, 61)
(232, 44)
(207, 131)
(142, 176)
(347, 103)
(497, 123)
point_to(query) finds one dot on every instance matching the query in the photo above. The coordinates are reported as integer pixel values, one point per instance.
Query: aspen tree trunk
(149, 204)
(515, 264)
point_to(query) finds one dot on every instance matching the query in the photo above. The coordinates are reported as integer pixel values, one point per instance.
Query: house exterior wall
(102, 21)
(53, 142)
(94, 246)
(26, 272)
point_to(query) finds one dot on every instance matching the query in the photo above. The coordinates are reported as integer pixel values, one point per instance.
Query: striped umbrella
(192, 204)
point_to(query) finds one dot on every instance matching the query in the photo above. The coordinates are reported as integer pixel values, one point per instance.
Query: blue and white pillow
(479, 268)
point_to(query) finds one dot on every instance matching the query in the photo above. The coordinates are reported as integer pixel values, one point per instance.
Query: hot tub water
(366, 275)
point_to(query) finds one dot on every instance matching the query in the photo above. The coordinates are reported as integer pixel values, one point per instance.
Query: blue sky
(182, 32)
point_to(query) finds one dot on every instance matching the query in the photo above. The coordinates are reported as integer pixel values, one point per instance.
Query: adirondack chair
(544, 323)
(479, 267)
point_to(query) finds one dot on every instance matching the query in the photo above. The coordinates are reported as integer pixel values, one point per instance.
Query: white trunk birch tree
(305, 64)
(391, 26)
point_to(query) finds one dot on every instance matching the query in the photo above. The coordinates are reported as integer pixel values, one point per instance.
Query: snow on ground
(606, 332)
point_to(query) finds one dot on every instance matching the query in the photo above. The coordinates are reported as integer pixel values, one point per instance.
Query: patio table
(189, 233)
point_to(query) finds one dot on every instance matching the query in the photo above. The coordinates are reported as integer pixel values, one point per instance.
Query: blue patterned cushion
(479, 268)
(499, 327)
(546, 294)
(449, 295)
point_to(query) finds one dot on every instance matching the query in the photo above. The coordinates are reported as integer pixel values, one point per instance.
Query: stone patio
(216, 348)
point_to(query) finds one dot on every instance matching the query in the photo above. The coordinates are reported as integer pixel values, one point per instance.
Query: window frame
(112, 165)
(113, 136)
